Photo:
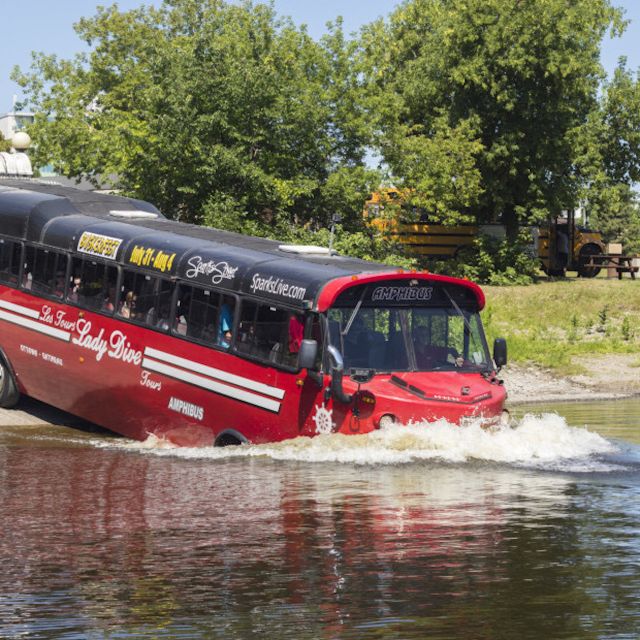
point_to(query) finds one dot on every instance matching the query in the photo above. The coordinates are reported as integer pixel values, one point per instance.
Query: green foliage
(493, 261)
(210, 109)
(224, 214)
(221, 112)
(502, 85)
(5, 145)
(603, 316)
(609, 160)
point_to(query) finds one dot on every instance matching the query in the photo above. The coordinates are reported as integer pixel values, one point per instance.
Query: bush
(367, 244)
(493, 261)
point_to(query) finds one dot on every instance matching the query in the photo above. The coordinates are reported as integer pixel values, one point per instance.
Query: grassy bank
(555, 324)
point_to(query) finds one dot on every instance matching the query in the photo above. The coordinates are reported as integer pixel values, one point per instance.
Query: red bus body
(139, 380)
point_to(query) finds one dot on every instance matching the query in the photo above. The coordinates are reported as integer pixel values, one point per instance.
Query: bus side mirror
(307, 354)
(500, 352)
(337, 372)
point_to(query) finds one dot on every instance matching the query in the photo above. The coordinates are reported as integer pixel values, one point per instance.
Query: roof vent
(133, 214)
(305, 249)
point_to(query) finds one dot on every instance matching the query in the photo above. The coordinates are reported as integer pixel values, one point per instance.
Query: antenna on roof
(336, 218)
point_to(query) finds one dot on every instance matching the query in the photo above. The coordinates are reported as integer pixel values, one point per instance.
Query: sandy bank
(605, 377)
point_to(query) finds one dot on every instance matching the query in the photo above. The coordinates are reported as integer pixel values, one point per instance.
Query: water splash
(536, 441)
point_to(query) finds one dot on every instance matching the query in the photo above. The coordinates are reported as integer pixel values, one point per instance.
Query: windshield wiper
(352, 317)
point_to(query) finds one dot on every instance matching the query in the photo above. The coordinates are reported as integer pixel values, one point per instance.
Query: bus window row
(264, 332)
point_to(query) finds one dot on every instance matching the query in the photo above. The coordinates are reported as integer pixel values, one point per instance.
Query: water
(531, 532)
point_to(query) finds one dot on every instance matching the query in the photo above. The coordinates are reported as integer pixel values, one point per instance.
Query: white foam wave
(538, 441)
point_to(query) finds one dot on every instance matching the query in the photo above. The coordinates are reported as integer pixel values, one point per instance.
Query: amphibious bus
(147, 326)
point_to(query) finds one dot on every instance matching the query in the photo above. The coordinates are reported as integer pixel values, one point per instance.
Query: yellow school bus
(408, 227)
(388, 211)
(571, 253)
(414, 233)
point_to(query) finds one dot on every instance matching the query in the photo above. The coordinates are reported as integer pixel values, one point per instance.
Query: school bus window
(146, 299)
(196, 313)
(93, 285)
(269, 333)
(45, 272)
(10, 256)
(205, 315)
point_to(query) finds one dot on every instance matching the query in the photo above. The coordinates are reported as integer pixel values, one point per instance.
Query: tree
(5, 145)
(504, 84)
(215, 111)
(609, 160)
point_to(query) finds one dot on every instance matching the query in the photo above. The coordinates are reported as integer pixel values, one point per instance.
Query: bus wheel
(9, 394)
(230, 437)
(585, 253)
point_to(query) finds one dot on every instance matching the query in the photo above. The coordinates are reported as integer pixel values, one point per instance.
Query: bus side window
(161, 319)
(10, 254)
(93, 285)
(196, 313)
(226, 315)
(264, 333)
(246, 341)
(146, 299)
(45, 272)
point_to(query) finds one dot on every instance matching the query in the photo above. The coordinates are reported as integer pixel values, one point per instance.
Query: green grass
(554, 323)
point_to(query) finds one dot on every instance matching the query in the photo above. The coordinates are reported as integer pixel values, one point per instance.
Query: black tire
(585, 253)
(9, 394)
(229, 438)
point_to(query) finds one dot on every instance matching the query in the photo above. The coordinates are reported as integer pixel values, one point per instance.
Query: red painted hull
(136, 381)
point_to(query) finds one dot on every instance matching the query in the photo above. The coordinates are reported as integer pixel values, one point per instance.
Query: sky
(47, 26)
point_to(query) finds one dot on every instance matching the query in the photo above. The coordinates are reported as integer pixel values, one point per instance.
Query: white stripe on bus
(211, 385)
(218, 374)
(16, 308)
(35, 326)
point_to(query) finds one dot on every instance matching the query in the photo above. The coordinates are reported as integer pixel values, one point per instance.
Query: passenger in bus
(296, 332)
(127, 308)
(58, 290)
(74, 289)
(162, 321)
(225, 326)
(108, 302)
(180, 326)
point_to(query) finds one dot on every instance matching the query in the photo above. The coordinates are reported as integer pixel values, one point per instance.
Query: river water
(438, 532)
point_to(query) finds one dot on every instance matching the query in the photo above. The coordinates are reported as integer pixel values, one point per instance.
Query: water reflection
(101, 541)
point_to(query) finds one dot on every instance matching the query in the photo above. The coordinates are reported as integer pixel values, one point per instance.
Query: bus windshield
(409, 338)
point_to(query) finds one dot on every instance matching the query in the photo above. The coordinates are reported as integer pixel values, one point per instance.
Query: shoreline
(611, 377)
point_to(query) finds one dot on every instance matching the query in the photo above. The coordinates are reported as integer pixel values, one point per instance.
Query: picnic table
(622, 264)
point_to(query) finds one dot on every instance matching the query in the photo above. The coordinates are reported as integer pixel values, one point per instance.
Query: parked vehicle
(565, 246)
(561, 245)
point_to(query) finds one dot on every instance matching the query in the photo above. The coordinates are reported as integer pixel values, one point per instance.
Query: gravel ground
(609, 376)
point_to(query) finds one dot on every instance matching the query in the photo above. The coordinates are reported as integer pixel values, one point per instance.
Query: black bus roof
(132, 232)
